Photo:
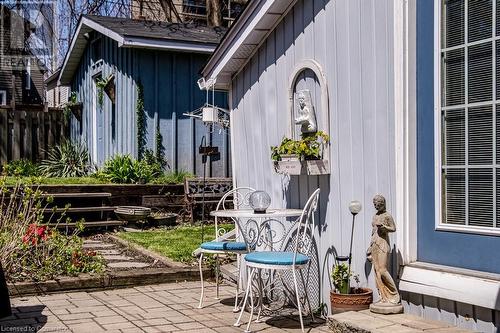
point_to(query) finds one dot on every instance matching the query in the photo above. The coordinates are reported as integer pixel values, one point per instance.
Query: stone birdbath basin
(132, 214)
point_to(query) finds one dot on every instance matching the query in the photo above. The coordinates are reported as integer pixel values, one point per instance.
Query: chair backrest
(304, 230)
(237, 198)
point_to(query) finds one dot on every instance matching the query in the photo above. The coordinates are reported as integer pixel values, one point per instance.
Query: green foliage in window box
(310, 147)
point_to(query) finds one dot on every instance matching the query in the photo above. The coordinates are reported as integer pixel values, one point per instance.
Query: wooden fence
(28, 134)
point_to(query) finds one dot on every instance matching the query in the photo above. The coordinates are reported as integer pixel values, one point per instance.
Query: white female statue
(378, 254)
(306, 115)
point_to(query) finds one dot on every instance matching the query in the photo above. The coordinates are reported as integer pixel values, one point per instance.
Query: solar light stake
(354, 208)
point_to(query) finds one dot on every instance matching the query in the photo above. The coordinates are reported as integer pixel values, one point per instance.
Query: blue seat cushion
(224, 246)
(276, 258)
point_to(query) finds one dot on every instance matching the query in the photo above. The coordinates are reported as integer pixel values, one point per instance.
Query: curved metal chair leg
(261, 296)
(201, 278)
(307, 296)
(251, 303)
(298, 299)
(217, 273)
(250, 275)
(238, 283)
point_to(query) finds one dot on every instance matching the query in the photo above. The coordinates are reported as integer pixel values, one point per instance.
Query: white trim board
(450, 283)
(167, 45)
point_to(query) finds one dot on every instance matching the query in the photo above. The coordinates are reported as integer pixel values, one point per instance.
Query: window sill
(469, 229)
(461, 285)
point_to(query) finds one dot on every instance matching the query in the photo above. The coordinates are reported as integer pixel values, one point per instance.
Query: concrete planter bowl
(358, 299)
(163, 219)
(132, 214)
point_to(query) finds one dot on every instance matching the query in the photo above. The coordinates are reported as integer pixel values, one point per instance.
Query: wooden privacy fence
(28, 134)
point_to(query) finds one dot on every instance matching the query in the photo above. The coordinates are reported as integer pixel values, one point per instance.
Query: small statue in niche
(378, 254)
(306, 115)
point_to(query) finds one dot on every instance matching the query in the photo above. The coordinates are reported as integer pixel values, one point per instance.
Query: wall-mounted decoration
(306, 151)
(306, 114)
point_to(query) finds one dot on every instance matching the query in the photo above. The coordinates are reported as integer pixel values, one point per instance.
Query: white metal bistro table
(259, 230)
(269, 231)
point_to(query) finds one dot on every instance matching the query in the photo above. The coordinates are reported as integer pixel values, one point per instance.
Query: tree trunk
(214, 14)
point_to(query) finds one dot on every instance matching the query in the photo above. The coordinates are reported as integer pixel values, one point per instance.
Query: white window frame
(3, 97)
(439, 225)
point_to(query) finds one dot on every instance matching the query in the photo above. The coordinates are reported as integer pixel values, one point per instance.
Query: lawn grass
(53, 180)
(177, 243)
(168, 178)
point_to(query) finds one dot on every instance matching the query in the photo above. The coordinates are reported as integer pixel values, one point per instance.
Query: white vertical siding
(351, 40)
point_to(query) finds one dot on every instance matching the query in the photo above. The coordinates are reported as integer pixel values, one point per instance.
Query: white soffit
(244, 37)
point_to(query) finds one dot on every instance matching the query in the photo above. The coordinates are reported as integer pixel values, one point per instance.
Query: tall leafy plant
(66, 160)
(141, 121)
(124, 169)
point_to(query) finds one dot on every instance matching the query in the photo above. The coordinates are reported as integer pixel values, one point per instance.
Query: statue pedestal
(386, 308)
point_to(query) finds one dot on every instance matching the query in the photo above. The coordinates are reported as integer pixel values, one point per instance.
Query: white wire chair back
(237, 198)
(305, 226)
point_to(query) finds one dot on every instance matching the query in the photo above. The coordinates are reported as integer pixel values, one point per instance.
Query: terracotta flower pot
(358, 299)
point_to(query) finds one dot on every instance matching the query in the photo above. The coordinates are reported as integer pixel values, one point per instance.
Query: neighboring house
(57, 96)
(184, 10)
(163, 58)
(22, 86)
(407, 91)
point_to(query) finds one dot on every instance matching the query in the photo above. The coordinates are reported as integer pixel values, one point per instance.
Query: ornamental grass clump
(66, 160)
(32, 251)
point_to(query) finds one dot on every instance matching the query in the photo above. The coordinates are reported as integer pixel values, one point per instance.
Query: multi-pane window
(470, 112)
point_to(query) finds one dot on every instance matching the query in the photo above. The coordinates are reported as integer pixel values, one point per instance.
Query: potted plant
(73, 106)
(344, 297)
(304, 156)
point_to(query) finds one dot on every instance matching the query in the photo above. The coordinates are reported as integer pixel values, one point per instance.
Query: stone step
(368, 322)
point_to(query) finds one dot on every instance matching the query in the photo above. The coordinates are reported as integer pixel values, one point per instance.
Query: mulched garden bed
(126, 265)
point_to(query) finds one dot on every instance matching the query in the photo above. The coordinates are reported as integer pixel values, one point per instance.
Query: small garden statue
(378, 254)
(306, 116)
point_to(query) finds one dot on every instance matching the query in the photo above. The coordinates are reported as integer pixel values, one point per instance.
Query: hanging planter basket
(76, 110)
(109, 88)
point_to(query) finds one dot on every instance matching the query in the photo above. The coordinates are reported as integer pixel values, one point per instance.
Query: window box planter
(306, 156)
(296, 167)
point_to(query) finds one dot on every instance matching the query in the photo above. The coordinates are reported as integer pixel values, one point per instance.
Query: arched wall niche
(308, 74)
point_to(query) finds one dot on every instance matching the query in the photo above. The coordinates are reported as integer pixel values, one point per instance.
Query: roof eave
(243, 39)
(173, 45)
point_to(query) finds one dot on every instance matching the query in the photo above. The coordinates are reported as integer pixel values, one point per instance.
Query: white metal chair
(285, 260)
(239, 197)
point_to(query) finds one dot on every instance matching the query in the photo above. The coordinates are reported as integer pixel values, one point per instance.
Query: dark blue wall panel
(470, 251)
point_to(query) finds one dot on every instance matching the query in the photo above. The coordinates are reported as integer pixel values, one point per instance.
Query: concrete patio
(156, 308)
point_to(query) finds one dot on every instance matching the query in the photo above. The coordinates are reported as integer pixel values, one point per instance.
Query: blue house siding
(170, 89)
(439, 247)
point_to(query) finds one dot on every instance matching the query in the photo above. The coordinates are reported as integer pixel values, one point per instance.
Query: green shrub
(32, 251)
(124, 169)
(157, 163)
(66, 160)
(20, 168)
(176, 177)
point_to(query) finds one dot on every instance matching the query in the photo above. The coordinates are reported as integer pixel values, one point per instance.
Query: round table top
(249, 213)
